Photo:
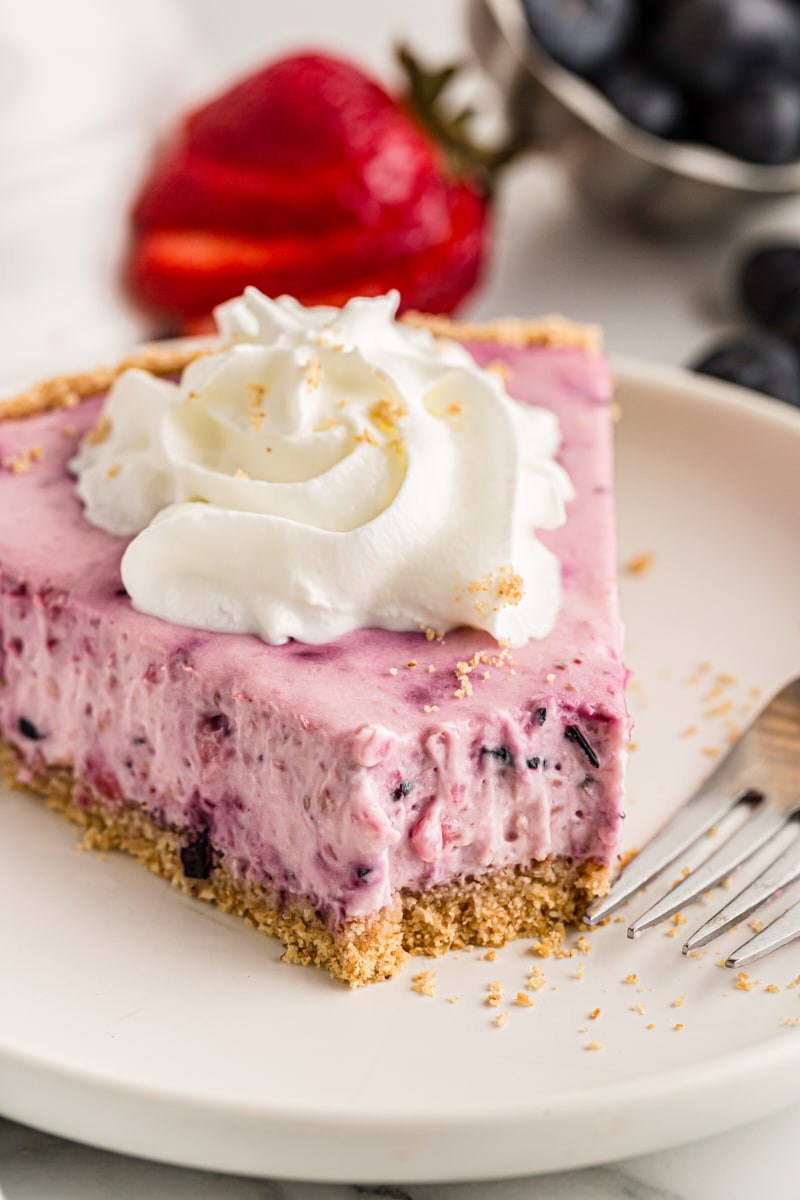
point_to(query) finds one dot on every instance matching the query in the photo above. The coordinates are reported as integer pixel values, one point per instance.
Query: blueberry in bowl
(766, 358)
(759, 361)
(672, 112)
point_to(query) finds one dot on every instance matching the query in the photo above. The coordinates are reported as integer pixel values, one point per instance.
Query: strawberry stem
(450, 130)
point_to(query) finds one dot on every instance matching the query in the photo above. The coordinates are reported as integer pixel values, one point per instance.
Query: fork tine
(783, 871)
(784, 929)
(688, 824)
(751, 836)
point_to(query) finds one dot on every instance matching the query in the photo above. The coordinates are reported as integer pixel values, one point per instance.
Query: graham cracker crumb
(498, 367)
(425, 983)
(679, 1002)
(632, 978)
(594, 1014)
(452, 999)
(67, 431)
(580, 970)
(640, 564)
(689, 731)
(678, 1027)
(744, 982)
(100, 433)
(490, 955)
(595, 1046)
(772, 988)
(501, 1019)
(312, 376)
(583, 945)
(495, 997)
(650, 1026)
(523, 1000)
(638, 1008)
(536, 980)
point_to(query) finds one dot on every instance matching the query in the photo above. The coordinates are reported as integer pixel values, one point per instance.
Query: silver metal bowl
(618, 167)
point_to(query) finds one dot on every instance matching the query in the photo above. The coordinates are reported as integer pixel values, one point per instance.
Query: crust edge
(67, 391)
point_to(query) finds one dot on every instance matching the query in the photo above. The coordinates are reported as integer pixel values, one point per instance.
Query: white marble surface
(83, 88)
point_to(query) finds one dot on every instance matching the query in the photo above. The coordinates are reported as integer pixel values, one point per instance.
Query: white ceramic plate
(136, 1019)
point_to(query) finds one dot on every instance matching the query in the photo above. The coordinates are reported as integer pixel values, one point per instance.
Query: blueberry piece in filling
(196, 856)
(29, 730)
(402, 789)
(573, 734)
(501, 753)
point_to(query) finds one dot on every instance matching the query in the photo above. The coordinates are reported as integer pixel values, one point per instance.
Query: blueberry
(573, 734)
(759, 361)
(502, 753)
(29, 730)
(760, 124)
(583, 35)
(196, 856)
(769, 288)
(712, 46)
(644, 99)
(402, 789)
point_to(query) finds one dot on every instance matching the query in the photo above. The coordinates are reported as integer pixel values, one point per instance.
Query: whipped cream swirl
(330, 469)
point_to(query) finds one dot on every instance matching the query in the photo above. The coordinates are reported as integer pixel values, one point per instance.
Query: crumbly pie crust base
(535, 900)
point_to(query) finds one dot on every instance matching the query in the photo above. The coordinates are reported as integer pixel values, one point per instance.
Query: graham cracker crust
(67, 391)
(535, 900)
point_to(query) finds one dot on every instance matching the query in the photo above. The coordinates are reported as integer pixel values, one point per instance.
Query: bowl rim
(586, 102)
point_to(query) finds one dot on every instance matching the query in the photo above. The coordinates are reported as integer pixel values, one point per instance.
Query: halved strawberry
(308, 178)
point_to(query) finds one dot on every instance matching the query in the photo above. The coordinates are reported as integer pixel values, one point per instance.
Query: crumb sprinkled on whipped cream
(500, 368)
(100, 433)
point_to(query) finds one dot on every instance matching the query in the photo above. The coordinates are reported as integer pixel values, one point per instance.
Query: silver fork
(762, 771)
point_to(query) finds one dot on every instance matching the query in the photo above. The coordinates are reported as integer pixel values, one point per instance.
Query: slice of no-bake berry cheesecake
(290, 638)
